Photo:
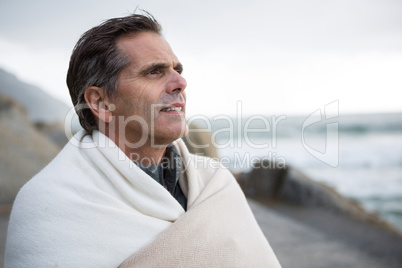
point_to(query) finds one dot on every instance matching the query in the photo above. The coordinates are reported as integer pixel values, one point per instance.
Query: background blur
(248, 58)
(278, 57)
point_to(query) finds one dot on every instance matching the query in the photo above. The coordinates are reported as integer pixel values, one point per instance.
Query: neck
(146, 153)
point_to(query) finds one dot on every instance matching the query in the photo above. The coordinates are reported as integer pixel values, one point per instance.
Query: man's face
(150, 96)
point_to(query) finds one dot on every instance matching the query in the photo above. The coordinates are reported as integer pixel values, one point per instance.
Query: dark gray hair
(96, 60)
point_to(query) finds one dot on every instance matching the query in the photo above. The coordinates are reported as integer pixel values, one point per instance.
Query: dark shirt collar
(167, 173)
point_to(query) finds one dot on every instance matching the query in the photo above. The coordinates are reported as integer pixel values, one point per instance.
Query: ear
(98, 103)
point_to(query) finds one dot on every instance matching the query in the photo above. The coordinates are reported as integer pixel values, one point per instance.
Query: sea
(360, 155)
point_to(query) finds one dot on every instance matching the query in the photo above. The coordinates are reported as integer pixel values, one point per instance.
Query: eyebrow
(179, 66)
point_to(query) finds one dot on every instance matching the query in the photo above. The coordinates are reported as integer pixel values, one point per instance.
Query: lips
(175, 107)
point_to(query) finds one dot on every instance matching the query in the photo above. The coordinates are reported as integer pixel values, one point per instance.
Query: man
(125, 191)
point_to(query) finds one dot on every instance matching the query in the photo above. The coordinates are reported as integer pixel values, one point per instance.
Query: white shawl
(93, 207)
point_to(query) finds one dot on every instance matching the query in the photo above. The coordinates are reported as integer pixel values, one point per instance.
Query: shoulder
(199, 162)
(209, 170)
(207, 165)
(47, 188)
(56, 182)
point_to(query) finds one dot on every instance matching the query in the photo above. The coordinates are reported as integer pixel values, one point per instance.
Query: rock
(264, 180)
(270, 182)
(23, 150)
(54, 132)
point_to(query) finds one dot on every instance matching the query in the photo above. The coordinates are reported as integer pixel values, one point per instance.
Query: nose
(176, 83)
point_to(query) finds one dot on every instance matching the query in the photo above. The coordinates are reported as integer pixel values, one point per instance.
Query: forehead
(147, 48)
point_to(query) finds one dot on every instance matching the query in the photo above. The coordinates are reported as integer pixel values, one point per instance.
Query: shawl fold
(93, 207)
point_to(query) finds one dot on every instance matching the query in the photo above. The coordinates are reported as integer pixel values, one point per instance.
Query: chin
(178, 130)
(180, 134)
(184, 132)
(168, 136)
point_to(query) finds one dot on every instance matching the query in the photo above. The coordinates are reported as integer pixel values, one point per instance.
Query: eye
(155, 71)
(179, 70)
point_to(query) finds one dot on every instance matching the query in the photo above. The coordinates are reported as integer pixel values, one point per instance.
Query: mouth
(177, 109)
(174, 108)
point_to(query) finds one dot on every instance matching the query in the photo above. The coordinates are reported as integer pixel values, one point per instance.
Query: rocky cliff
(24, 151)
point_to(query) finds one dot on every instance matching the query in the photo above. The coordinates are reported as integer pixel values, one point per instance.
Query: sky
(267, 57)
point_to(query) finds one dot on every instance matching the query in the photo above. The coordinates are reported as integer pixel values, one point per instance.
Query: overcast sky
(277, 57)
